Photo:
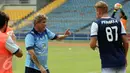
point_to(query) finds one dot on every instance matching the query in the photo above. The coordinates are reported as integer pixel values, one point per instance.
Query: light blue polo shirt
(38, 42)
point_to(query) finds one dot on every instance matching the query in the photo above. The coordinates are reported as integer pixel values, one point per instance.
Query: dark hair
(3, 19)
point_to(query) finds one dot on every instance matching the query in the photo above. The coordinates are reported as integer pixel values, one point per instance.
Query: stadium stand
(16, 14)
(75, 14)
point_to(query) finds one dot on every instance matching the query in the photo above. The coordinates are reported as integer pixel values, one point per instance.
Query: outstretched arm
(66, 34)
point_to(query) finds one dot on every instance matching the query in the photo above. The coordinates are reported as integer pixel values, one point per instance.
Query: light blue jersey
(38, 42)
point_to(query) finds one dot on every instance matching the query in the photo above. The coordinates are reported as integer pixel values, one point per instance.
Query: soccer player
(123, 17)
(112, 40)
(37, 45)
(7, 46)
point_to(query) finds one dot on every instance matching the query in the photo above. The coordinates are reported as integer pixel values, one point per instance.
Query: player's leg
(31, 70)
(108, 70)
(121, 70)
(48, 71)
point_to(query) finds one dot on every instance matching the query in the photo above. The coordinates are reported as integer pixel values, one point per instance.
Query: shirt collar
(34, 31)
(106, 17)
(37, 32)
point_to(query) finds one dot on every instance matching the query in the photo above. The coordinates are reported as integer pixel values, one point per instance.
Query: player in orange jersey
(8, 48)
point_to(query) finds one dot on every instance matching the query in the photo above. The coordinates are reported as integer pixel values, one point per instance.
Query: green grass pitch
(61, 59)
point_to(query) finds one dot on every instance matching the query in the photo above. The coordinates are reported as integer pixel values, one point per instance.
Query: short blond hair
(39, 18)
(101, 4)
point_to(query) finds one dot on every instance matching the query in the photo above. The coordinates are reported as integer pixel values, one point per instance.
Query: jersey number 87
(109, 33)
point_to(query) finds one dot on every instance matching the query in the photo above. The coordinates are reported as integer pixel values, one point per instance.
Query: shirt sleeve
(94, 29)
(113, 14)
(29, 41)
(123, 31)
(50, 34)
(11, 46)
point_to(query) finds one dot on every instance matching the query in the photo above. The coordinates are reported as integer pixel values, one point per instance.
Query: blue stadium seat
(75, 14)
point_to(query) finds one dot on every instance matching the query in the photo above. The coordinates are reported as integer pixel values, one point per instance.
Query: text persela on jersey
(109, 22)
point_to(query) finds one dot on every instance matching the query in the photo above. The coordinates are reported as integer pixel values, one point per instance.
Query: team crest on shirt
(44, 46)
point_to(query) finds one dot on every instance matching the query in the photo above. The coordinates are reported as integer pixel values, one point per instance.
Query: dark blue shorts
(31, 70)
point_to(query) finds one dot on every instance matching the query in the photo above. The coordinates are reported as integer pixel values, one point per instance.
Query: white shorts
(114, 70)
